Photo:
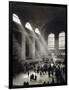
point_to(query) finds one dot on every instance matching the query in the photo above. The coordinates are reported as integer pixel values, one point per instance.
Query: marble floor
(23, 77)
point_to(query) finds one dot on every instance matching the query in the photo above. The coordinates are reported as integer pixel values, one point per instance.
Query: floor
(23, 77)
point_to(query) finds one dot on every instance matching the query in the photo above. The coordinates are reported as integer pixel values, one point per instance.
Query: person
(40, 73)
(52, 80)
(26, 83)
(52, 69)
(35, 77)
(37, 70)
(49, 70)
(32, 77)
(28, 73)
(57, 73)
(44, 83)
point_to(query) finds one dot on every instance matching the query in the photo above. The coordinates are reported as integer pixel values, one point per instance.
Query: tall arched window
(51, 41)
(62, 40)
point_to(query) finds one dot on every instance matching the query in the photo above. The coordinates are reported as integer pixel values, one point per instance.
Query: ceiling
(50, 18)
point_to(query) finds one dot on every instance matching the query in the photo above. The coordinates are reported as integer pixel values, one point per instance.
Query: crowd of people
(55, 71)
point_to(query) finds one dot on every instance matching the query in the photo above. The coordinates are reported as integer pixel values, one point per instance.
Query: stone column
(31, 47)
(37, 49)
(23, 47)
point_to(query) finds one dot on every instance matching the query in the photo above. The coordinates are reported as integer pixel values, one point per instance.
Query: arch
(62, 40)
(51, 41)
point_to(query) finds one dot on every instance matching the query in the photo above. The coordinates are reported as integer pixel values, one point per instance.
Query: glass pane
(62, 40)
(51, 41)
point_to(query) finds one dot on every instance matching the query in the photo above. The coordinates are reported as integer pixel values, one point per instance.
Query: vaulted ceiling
(50, 18)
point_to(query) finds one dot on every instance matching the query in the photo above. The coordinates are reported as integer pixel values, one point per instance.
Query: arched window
(28, 26)
(16, 19)
(51, 41)
(62, 40)
(37, 31)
